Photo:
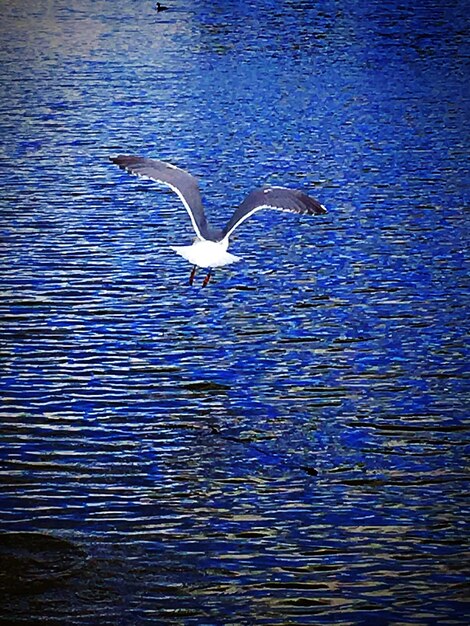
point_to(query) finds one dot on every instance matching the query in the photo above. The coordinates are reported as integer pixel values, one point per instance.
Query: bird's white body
(205, 253)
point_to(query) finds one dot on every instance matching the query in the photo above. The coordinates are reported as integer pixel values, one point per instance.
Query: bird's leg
(207, 278)
(193, 274)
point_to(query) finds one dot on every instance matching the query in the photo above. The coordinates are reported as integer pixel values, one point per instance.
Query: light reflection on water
(289, 444)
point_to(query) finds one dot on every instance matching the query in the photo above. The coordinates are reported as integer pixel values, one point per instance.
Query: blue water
(290, 444)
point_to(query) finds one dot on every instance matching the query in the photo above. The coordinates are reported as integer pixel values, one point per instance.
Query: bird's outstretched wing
(278, 198)
(183, 183)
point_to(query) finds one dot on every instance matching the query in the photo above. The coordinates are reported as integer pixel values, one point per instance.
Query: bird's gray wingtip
(121, 160)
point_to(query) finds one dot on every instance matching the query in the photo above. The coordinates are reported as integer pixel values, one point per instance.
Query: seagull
(209, 249)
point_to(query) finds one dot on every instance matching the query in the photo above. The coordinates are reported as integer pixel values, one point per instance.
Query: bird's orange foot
(193, 274)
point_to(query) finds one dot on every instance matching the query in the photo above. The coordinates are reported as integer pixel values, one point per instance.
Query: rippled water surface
(290, 444)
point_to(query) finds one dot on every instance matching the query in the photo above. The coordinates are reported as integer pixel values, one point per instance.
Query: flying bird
(209, 249)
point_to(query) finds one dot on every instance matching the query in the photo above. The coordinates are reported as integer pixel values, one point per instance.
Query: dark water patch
(32, 562)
